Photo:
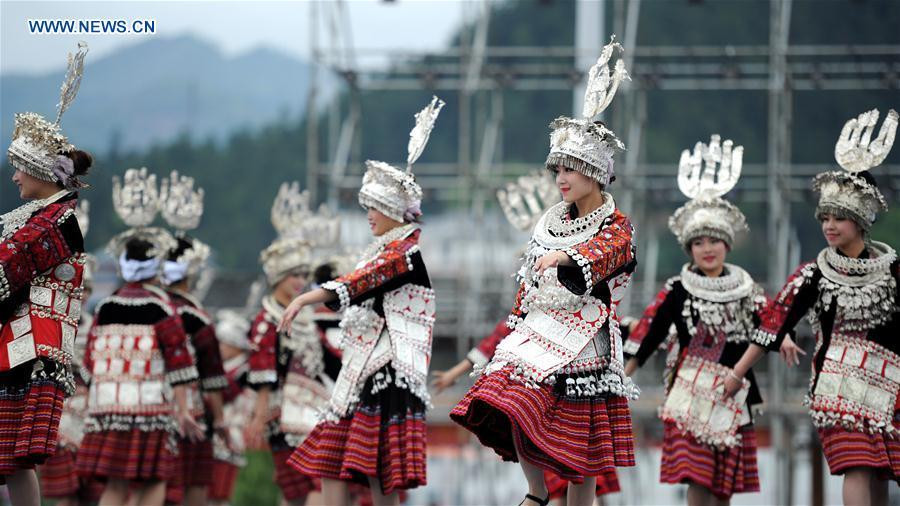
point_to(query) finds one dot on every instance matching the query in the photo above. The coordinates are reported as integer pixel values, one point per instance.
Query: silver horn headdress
(38, 146)
(393, 191)
(581, 144)
(847, 193)
(704, 176)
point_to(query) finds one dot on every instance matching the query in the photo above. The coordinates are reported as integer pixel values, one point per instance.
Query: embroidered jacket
(856, 322)
(565, 321)
(136, 351)
(41, 267)
(388, 318)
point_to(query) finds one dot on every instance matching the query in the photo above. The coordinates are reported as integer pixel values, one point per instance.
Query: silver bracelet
(735, 377)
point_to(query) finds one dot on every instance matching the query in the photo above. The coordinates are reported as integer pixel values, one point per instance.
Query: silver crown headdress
(846, 193)
(290, 250)
(581, 144)
(393, 191)
(136, 201)
(704, 176)
(38, 145)
(181, 206)
(525, 200)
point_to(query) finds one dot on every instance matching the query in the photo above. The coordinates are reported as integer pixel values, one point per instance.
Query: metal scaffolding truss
(478, 74)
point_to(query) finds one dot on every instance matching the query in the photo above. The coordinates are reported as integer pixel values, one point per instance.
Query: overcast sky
(236, 26)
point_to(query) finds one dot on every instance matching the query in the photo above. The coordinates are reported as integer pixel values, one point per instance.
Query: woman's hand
(254, 432)
(442, 380)
(790, 352)
(733, 383)
(188, 427)
(552, 259)
(290, 313)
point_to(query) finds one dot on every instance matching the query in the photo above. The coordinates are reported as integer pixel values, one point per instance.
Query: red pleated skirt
(384, 438)
(133, 455)
(193, 468)
(57, 474)
(222, 487)
(293, 485)
(724, 472)
(845, 449)
(29, 421)
(573, 437)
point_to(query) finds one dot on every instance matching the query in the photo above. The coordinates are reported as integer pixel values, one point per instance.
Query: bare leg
(378, 498)
(195, 496)
(536, 485)
(153, 494)
(720, 502)
(24, 489)
(115, 493)
(335, 492)
(583, 494)
(300, 501)
(698, 495)
(879, 491)
(315, 499)
(858, 487)
(67, 501)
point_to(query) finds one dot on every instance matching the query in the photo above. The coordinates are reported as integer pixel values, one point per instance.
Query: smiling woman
(714, 307)
(41, 273)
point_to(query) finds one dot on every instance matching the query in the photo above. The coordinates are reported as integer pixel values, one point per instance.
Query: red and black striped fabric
(293, 485)
(57, 474)
(725, 473)
(29, 421)
(844, 449)
(133, 455)
(573, 437)
(222, 487)
(385, 438)
(194, 465)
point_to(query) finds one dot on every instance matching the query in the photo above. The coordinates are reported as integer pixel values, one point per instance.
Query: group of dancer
(331, 373)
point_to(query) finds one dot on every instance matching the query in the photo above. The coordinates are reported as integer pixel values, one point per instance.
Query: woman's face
(840, 232)
(574, 185)
(30, 187)
(379, 222)
(292, 284)
(709, 254)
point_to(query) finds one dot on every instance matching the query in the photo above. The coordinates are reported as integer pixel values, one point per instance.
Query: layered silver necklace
(18, 217)
(555, 230)
(863, 288)
(724, 304)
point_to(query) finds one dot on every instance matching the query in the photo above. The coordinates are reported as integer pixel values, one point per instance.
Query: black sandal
(538, 500)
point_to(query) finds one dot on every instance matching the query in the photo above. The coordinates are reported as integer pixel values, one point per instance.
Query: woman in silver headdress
(373, 433)
(708, 443)
(850, 297)
(554, 397)
(41, 270)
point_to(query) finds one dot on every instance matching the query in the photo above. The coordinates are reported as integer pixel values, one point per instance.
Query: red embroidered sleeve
(37, 247)
(783, 312)
(263, 342)
(172, 340)
(481, 354)
(636, 336)
(370, 280)
(604, 255)
(653, 327)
